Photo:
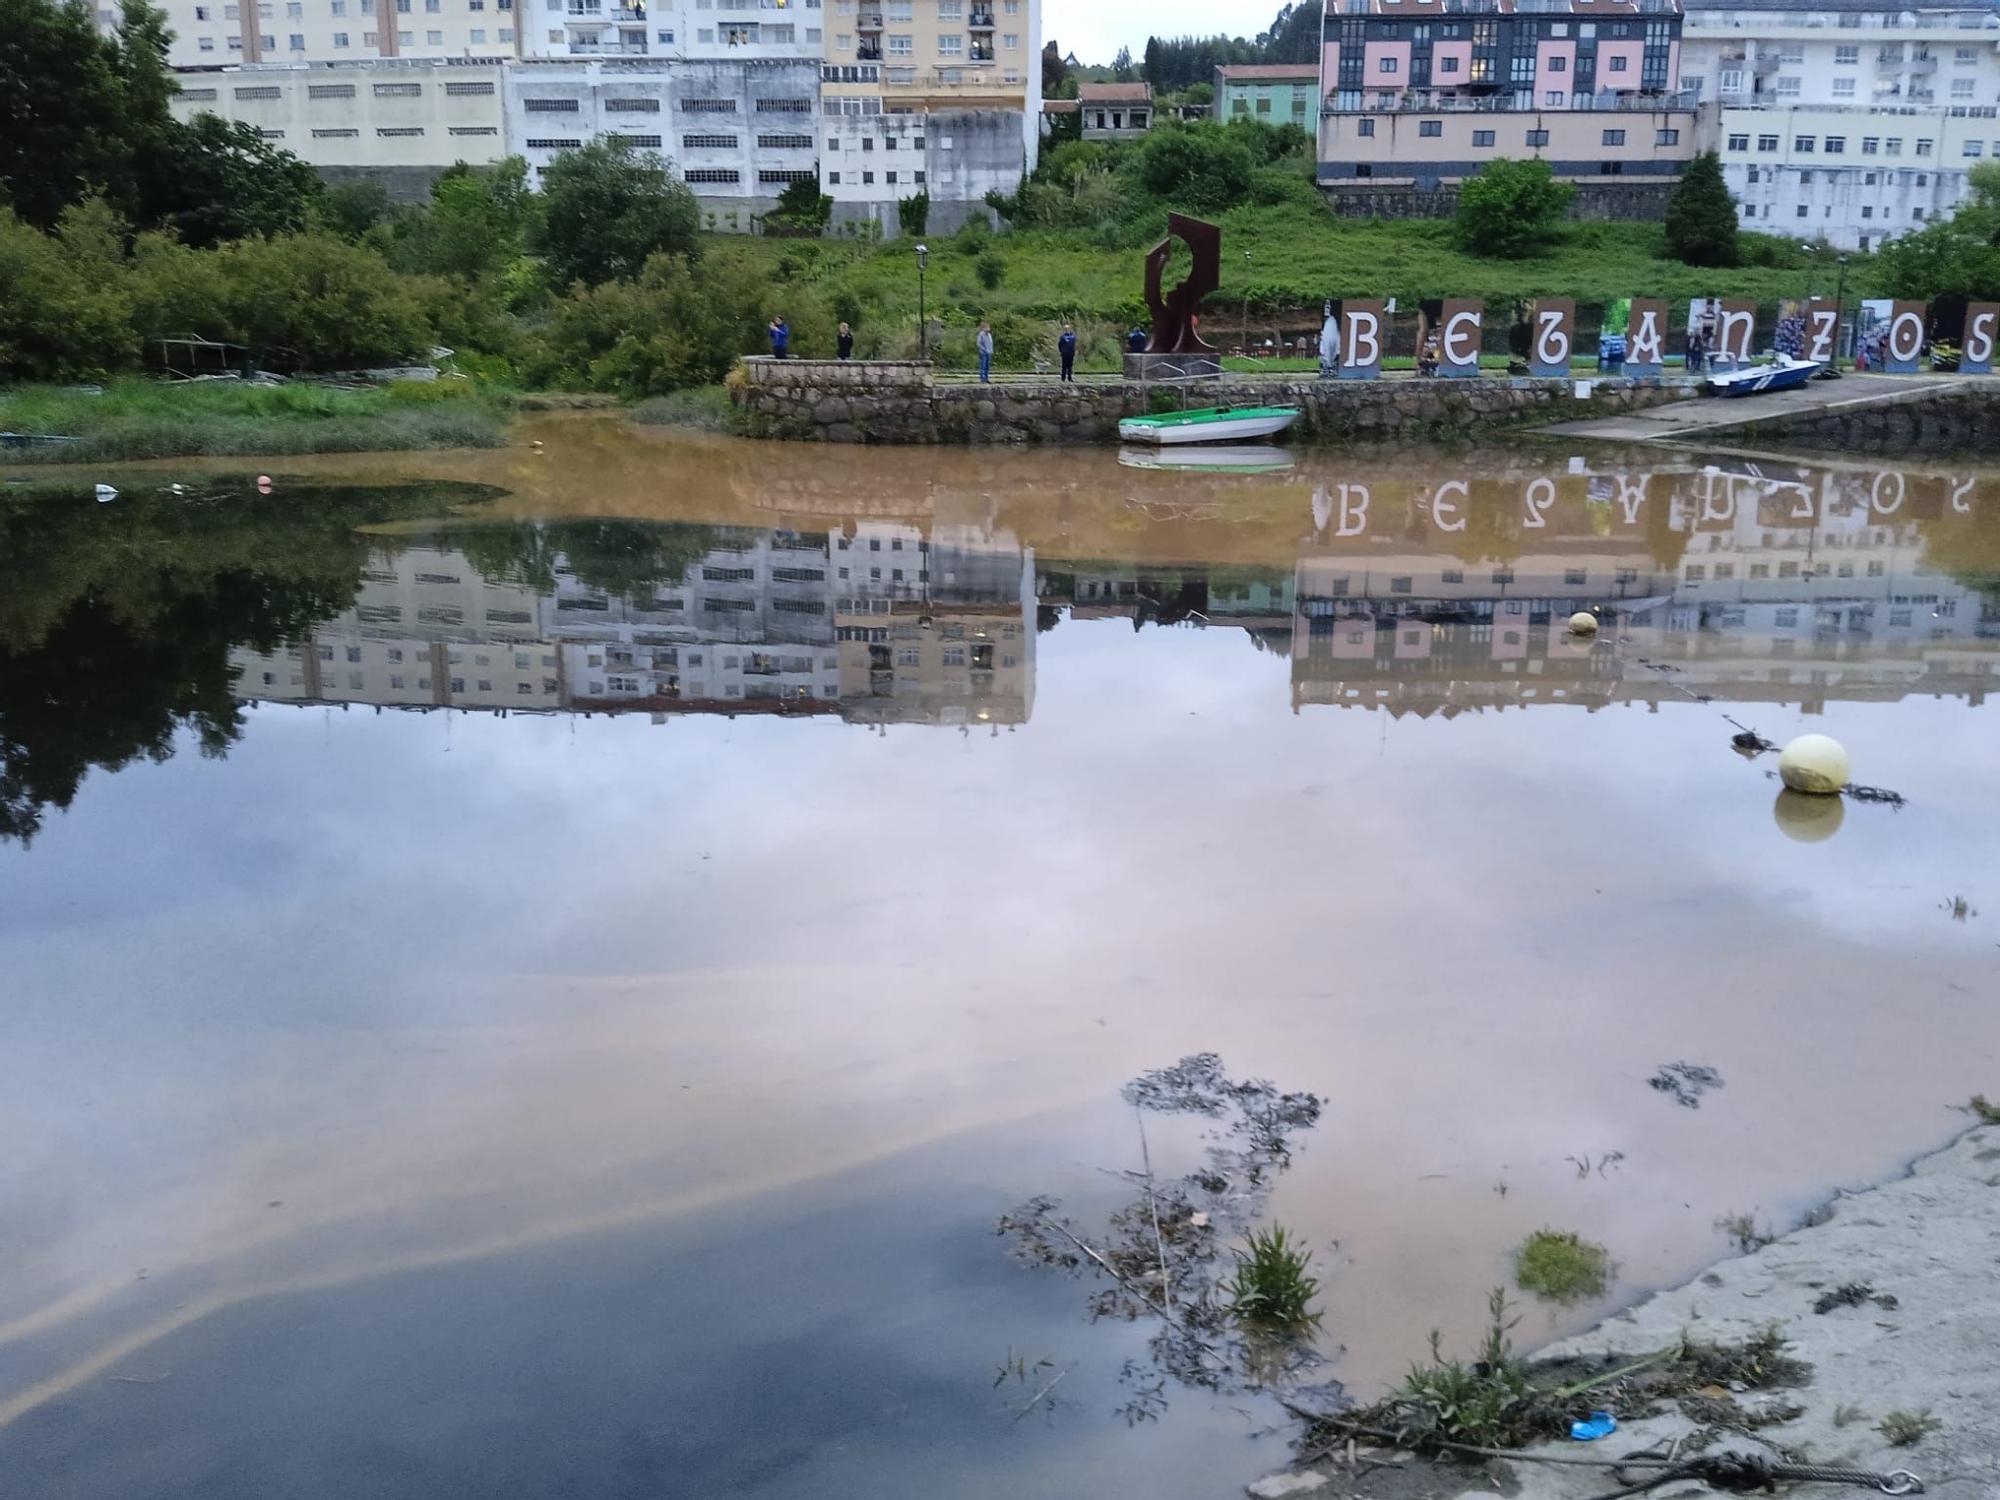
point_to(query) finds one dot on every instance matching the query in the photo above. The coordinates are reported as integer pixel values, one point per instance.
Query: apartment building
(869, 163)
(211, 33)
(1422, 93)
(1275, 93)
(738, 131)
(919, 56)
(1850, 121)
(400, 120)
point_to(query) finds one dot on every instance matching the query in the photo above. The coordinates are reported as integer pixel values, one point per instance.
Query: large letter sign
(1982, 327)
(1734, 331)
(1646, 339)
(1361, 338)
(1905, 338)
(1461, 325)
(1822, 328)
(1551, 336)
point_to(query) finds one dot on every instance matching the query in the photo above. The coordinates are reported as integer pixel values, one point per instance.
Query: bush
(1271, 1288)
(1195, 167)
(58, 321)
(913, 214)
(1562, 1266)
(1511, 208)
(989, 268)
(608, 210)
(676, 326)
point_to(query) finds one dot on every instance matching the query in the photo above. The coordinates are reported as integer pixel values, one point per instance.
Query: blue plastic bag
(1601, 1424)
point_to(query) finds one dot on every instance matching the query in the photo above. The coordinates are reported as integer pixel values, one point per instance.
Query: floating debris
(1854, 1294)
(1685, 1082)
(1875, 794)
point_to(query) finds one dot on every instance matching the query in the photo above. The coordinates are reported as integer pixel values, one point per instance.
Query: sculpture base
(1173, 366)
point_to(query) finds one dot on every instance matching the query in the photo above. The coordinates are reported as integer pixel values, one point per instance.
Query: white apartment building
(210, 33)
(868, 162)
(737, 131)
(1849, 71)
(406, 116)
(710, 29)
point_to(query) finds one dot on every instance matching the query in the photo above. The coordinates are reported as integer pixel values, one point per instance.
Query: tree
(1511, 208)
(61, 318)
(1121, 66)
(1955, 257)
(802, 208)
(1195, 166)
(212, 180)
(352, 209)
(676, 325)
(913, 214)
(61, 111)
(478, 223)
(1053, 72)
(607, 210)
(1701, 216)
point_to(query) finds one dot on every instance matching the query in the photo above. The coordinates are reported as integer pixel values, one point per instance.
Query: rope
(1745, 1473)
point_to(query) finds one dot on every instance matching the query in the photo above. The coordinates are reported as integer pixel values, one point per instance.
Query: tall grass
(138, 418)
(1271, 1289)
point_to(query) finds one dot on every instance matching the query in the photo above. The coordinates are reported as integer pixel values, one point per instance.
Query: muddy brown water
(649, 904)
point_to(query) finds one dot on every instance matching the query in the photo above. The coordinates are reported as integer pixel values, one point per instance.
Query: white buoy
(105, 492)
(1815, 763)
(1583, 622)
(1806, 819)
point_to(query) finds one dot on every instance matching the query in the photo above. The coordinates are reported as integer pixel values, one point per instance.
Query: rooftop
(1249, 72)
(1115, 93)
(1882, 7)
(1502, 7)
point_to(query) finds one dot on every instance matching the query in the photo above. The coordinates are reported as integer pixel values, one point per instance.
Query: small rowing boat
(1783, 374)
(1209, 424)
(1250, 458)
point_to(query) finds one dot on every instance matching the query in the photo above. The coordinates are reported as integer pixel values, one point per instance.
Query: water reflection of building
(880, 623)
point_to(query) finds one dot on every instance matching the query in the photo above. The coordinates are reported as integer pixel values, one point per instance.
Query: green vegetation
(1512, 208)
(1271, 1289)
(1987, 1112)
(1905, 1429)
(607, 211)
(1701, 216)
(703, 408)
(1743, 1232)
(137, 418)
(1487, 1402)
(1955, 257)
(1562, 1266)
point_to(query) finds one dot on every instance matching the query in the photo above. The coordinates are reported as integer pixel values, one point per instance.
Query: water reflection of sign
(1905, 339)
(1460, 324)
(1646, 338)
(1552, 335)
(1982, 323)
(1360, 339)
(1822, 326)
(1735, 326)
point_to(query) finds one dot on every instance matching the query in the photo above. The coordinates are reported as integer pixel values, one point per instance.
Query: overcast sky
(1095, 31)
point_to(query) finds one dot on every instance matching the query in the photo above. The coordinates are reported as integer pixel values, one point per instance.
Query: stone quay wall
(896, 402)
(1960, 418)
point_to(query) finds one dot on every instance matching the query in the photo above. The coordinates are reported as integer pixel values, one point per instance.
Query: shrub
(608, 210)
(989, 268)
(676, 326)
(913, 214)
(1701, 216)
(1562, 1266)
(1198, 167)
(58, 320)
(1511, 208)
(1271, 1287)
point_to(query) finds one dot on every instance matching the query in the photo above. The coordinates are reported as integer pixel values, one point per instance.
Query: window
(785, 142)
(1767, 143)
(1482, 137)
(468, 88)
(1971, 148)
(1667, 137)
(698, 106)
(951, 45)
(1803, 144)
(1444, 65)
(1961, 88)
(409, 91)
(784, 106)
(262, 91)
(1871, 145)
(1619, 63)
(1730, 80)
(1923, 145)
(1965, 56)
(548, 143)
(1538, 138)
(333, 90)
(637, 142)
(612, 106)
(1739, 143)
(708, 142)
(1843, 88)
(1846, 56)
(473, 130)
(1892, 145)
(1430, 128)
(1558, 65)
(1614, 137)
(710, 174)
(335, 134)
(1802, 211)
(1867, 211)
(399, 130)
(1364, 127)
(1836, 145)
(433, 38)
(1386, 65)
(833, 179)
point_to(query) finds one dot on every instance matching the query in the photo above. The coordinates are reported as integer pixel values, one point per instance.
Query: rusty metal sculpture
(1175, 314)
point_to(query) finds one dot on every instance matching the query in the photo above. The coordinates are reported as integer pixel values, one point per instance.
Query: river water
(537, 973)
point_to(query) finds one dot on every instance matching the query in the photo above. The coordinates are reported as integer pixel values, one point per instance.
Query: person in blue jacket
(1066, 347)
(1136, 341)
(781, 337)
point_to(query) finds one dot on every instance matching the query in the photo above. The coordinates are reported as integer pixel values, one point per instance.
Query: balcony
(868, 20)
(980, 54)
(868, 52)
(1922, 66)
(981, 20)
(1417, 101)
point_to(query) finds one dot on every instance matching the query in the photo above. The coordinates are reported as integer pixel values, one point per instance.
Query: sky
(1095, 31)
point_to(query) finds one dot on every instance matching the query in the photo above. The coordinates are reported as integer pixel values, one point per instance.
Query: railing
(1363, 102)
(868, 54)
(981, 20)
(868, 20)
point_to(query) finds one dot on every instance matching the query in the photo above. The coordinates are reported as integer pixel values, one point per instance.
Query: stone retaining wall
(1953, 418)
(870, 402)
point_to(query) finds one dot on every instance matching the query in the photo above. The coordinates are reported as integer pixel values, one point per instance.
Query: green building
(1276, 93)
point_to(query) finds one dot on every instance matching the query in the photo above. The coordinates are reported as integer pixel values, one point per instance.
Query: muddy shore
(1924, 1342)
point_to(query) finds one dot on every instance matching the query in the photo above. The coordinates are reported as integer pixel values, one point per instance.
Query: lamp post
(1839, 295)
(1246, 301)
(923, 322)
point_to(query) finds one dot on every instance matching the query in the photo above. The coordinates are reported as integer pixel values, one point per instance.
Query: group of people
(781, 345)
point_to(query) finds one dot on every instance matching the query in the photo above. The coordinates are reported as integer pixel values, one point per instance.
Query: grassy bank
(138, 418)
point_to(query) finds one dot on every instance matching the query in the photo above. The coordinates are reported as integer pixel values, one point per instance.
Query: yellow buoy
(1815, 763)
(1583, 622)
(1807, 819)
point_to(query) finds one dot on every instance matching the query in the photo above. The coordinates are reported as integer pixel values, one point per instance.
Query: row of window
(1524, 69)
(1698, 572)
(1837, 176)
(1836, 145)
(295, 9)
(348, 133)
(1802, 211)
(1665, 136)
(296, 42)
(897, 45)
(833, 178)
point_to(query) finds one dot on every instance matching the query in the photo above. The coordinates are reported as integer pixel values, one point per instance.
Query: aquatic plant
(1562, 1266)
(1489, 1401)
(1271, 1288)
(1904, 1429)
(1743, 1232)
(1987, 1111)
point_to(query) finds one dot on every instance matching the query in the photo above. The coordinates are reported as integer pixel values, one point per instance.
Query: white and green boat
(1209, 424)
(1249, 458)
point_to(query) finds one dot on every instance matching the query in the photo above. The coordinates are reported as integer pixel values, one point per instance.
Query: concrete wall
(957, 156)
(1958, 418)
(895, 402)
(1639, 198)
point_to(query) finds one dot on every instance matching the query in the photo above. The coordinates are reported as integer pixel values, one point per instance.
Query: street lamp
(1246, 301)
(923, 322)
(1839, 295)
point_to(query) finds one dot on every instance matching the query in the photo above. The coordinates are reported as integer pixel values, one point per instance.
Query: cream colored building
(916, 56)
(412, 114)
(209, 33)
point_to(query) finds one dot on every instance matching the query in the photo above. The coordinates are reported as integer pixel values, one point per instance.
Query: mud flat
(1909, 1276)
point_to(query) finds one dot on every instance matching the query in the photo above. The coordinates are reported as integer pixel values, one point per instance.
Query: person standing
(1136, 340)
(1066, 347)
(781, 337)
(985, 353)
(845, 342)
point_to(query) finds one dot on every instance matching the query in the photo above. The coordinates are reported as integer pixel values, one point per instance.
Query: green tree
(675, 325)
(62, 104)
(1122, 70)
(61, 316)
(608, 210)
(479, 222)
(1511, 208)
(802, 208)
(990, 268)
(212, 180)
(352, 209)
(913, 213)
(1053, 72)
(1195, 166)
(1955, 257)
(1701, 216)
